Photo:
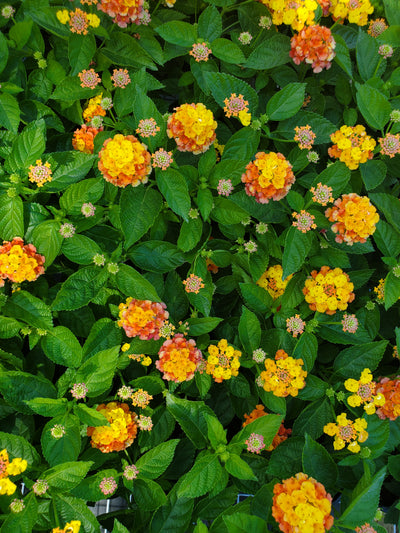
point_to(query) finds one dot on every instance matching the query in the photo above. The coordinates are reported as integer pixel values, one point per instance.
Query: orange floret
(83, 139)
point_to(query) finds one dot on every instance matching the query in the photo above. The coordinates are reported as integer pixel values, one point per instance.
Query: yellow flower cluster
(71, 527)
(120, 433)
(178, 358)
(295, 13)
(17, 466)
(353, 146)
(356, 11)
(94, 108)
(284, 376)
(328, 290)
(78, 20)
(364, 392)
(223, 361)
(19, 262)
(124, 160)
(272, 281)
(354, 218)
(302, 505)
(193, 128)
(347, 432)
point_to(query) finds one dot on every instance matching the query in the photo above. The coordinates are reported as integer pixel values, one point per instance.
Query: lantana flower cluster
(10, 468)
(193, 128)
(178, 358)
(296, 13)
(223, 361)
(283, 376)
(142, 318)
(328, 290)
(352, 146)
(121, 431)
(19, 262)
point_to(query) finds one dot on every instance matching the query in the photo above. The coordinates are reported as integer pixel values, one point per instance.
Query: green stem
(157, 6)
(377, 67)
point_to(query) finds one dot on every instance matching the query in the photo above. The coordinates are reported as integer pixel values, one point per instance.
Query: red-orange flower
(19, 262)
(268, 177)
(193, 128)
(390, 388)
(119, 434)
(142, 318)
(83, 139)
(314, 45)
(123, 12)
(282, 434)
(178, 358)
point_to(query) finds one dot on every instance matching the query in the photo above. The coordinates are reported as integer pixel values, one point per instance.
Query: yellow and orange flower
(301, 504)
(178, 358)
(223, 361)
(19, 262)
(294, 13)
(119, 434)
(268, 177)
(314, 45)
(193, 128)
(83, 139)
(7, 468)
(272, 281)
(347, 432)
(142, 318)
(283, 376)
(352, 146)
(355, 11)
(328, 290)
(282, 434)
(94, 109)
(123, 12)
(354, 218)
(124, 160)
(364, 392)
(71, 527)
(390, 388)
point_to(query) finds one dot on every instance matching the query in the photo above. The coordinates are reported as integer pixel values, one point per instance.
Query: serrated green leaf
(9, 112)
(173, 187)
(201, 477)
(67, 475)
(27, 147)
(297, 247)
(351, 361)
(97, 372)
(62, 347)
(18, 446)
(286, 102)
(134, 285)
(238, 468)
(48, 240)
(318, 463)
(80, 288)
(81, 50)
(48, 406)
(377, 115)
(178, 32)
(227, 51)
(68, 447)
(249, 330)
(153, 463)
(11, 217)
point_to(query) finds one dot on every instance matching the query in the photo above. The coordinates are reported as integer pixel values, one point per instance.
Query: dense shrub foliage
(199, 274)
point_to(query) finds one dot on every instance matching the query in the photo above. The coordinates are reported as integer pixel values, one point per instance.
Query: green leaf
(270, 53)
(388, 204)
(97, 372)
(367, 55)
(363, 507)
(351, 361)
(210, 24)
(321, 126)
(205, 202)
(46, 18)
(336, 176)
(140, 207)
(125, 50)
(89, 488)
(148, 494)
(48, 240)
(373, 172)
(342, 54)
(201, 477)
(285, 460)
(154, 463)
(103, 335)
(199, 326)
(306, 349)
(62, 347)
(249, 330)
(377, 115)
(392, 11)
(173, 517)
(9, 112)
(3, 52)
(313, 419)
(227, 212)
(80, 288)
(17, 387)
(69, 90)
(24, 520)
(267, 426)
(134, 285)
(67, 475)
(119, 528)
(68, 447)
(190, 416)
(17, 446)
(255, 297)
(26, 307)
(297, 247)
(152, 384)
(89, 416)
(215, 431)
(80, 249)
(242, 145)
(81, 50)
(190, 234)
(157, 256)
(89, 190)
(245, 523)
(173, 187)
(27, 147)
(318, 463)
(69, 508)
(11, 217)
(392, 290)
(47, 406)
(387, 239)
(227, 51)
(73, 166)
(286, 102)
(178, 32)
(223, 85)
(238, 468)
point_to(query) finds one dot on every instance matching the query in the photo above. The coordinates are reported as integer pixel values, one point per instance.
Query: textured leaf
(17, 446)
(27, 147)
(377, 115)
(70, 508)
(318, 463)
(81, 50)
(62, 347)
(48, 240)
(297, 247)
(97, 372)
(68, 447)
(16, 387)
(201, 477)
(286, 102)
(352, 361)
(67, 475)
(11, 217)
(9, 112)
(173, 187)
(80, 288)
(153, 463)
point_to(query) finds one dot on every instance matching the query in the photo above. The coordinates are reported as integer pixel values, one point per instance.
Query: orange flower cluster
(354, 218)
(142, 318)
(301, 504)
(124, 160)
(178, 358)
(272, 281)
(193, 128)
(119, 434)
(19, 262)
(314, 45)
(390, 388)
(282, 434)
(353, 146)
(283, 376)
(83, 139)
(295, 13)
(94, 109)
(328, 290)
(269, 177)
(123, 12)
